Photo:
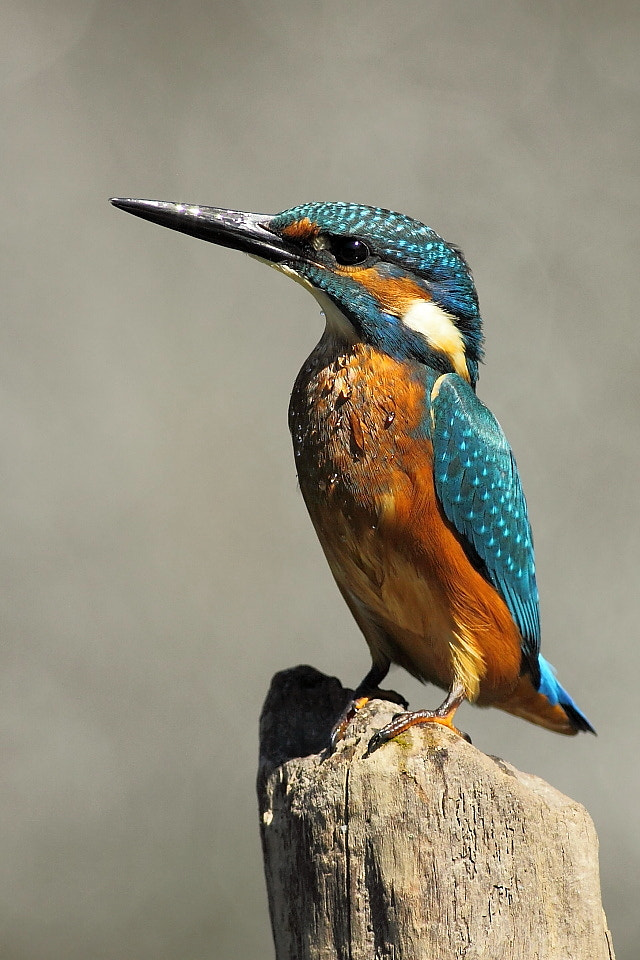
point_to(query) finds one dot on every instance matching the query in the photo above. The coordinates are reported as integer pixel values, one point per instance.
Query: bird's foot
(354, 706)
(404, 721)
(340, 727)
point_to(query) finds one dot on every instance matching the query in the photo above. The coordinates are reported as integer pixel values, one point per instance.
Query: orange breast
(367, 479)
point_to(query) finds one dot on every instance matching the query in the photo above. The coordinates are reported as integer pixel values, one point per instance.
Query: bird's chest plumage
(352, 415)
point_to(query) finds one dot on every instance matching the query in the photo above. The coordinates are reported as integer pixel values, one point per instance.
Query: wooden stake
(426, 850)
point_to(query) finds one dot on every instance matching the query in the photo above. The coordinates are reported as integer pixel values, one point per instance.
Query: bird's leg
(443, 715)
(366, 690)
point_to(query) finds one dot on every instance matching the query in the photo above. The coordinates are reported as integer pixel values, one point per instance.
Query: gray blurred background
(157, 562)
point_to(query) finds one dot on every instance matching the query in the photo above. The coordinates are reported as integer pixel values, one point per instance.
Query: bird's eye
(349, 251)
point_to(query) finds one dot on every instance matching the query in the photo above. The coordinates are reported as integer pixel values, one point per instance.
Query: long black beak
(248, 232)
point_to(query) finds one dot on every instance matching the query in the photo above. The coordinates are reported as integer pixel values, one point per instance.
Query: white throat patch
(439, 330)
(335, 319)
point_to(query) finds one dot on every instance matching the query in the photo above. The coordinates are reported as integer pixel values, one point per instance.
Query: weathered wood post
(426, 850)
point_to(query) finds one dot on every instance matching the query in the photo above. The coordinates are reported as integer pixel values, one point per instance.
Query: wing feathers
(477, 482)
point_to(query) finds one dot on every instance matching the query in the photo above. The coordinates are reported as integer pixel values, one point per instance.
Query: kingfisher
(409, 480)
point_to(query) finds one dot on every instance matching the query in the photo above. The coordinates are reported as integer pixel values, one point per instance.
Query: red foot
(404, 721)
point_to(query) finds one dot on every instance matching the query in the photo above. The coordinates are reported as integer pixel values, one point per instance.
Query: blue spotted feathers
(478, 485)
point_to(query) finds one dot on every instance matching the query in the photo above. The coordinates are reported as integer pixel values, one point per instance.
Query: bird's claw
(402, 722)
(341, 726)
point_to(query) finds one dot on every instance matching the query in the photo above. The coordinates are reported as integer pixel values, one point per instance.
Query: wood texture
(426, 849)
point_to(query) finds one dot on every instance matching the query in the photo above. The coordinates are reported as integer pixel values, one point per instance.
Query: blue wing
(477, 482)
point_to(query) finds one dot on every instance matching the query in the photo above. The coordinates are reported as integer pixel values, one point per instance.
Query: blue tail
(556, 695)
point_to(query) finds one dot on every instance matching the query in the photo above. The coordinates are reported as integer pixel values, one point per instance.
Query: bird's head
(381, 277)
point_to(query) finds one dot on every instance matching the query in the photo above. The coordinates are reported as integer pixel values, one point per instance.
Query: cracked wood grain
(426, 849)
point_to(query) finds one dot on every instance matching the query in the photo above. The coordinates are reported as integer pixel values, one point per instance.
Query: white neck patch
(425, 317)
(439, 330)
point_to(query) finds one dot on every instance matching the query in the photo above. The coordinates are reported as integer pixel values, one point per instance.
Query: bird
(408, 478)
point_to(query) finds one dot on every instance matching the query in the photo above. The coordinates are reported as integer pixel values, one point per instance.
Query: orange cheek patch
(301, 229)
(394, 294)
